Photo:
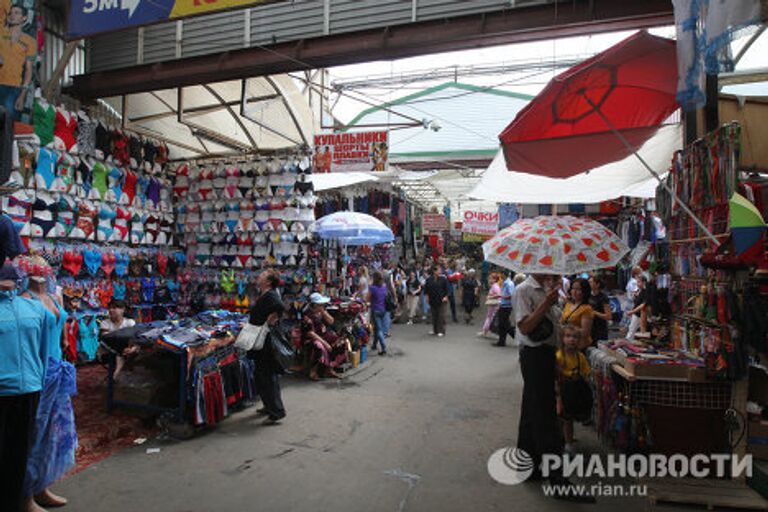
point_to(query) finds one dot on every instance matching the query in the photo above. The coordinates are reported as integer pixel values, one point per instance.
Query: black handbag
(542, 331)
(282, 350)
(389, 303)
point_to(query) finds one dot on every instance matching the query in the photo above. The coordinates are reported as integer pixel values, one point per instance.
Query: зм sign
(89, 17)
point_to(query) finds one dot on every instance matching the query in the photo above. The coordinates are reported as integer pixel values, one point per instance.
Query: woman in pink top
(492, 302)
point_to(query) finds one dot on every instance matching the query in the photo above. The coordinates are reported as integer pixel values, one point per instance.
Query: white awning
(626, 177)
(340, 179)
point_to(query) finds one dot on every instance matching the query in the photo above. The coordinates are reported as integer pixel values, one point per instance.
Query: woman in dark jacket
(268, 308)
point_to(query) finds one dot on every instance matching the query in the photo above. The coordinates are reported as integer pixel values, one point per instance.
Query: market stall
(682, 387)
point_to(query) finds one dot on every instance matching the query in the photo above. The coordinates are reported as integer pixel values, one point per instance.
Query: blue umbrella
(352, 228)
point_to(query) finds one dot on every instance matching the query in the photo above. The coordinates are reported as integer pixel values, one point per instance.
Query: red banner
(433, 222)
(347, 152)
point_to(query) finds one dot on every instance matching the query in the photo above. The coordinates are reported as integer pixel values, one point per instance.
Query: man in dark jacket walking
(437, 293)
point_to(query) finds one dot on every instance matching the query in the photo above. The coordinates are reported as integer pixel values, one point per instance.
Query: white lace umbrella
(561, 245)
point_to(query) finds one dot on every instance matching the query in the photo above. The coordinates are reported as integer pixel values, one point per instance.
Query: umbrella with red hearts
(555, 245)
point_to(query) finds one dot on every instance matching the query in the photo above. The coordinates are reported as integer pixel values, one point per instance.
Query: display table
(194, 382)
(658, 400)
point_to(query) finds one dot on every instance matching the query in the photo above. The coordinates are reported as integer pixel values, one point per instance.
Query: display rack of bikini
(237, 216)
(93, 200)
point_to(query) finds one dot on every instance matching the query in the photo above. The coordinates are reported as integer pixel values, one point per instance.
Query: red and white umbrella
(555, 245)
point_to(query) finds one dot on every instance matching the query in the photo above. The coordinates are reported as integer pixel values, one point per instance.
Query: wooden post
(58, 72)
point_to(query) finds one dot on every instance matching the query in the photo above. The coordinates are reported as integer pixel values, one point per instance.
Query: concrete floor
(413, 431)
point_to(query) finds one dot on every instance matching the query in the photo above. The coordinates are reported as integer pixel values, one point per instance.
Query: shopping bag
(252, 337)
(495, 323)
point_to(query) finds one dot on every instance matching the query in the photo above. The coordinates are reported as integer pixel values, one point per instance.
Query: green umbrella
(744, 214)
(746, 223)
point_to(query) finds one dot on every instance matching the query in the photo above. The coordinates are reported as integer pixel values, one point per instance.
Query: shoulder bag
(252, 337)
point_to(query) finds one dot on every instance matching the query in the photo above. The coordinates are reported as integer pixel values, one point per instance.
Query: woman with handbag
(574, 400)
(267, 309)
(578, 311)
(492, 303)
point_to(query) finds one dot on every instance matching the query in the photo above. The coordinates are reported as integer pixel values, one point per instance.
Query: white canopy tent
(626, 177)
(267, 113)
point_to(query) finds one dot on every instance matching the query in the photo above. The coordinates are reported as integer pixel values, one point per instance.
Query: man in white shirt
(539, 432)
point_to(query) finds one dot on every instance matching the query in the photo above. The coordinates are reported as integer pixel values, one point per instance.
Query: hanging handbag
(389, 303)
(252, 337)
(282, 349)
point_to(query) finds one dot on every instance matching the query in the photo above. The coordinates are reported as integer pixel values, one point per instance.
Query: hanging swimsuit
(92, 260)
(173, 289)
(153, 191)
(45, 119)
(108, 261)
(120, 147)
(136, 267)
(42, 219)
(84, 227)
(122, 261)
(89, 338)
(99, 189)
(148, 290)
(71, 330)
(72, 262)
(64, 177)
(150, 151)
(105, 294)
(115, 185)
(162, 153)
(162, 263)
(105, 228)
(134, 151)
(118, 290)
(86, 135)
(64, 131)
(45, 173)
(103, 141)
(123, 216)
(85, 177)
(129, 188)
(141, 192)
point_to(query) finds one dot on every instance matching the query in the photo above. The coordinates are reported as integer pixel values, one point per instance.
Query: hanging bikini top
(303, 187)
(122, 261)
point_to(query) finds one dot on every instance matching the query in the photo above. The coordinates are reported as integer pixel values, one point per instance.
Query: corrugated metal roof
(470, 118)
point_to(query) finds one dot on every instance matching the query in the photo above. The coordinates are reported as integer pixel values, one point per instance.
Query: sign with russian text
(433, 222)
(89, 17)
(480, 223)
(348, 152)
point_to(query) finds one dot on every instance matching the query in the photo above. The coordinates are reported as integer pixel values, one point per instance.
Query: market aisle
(435, 409)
